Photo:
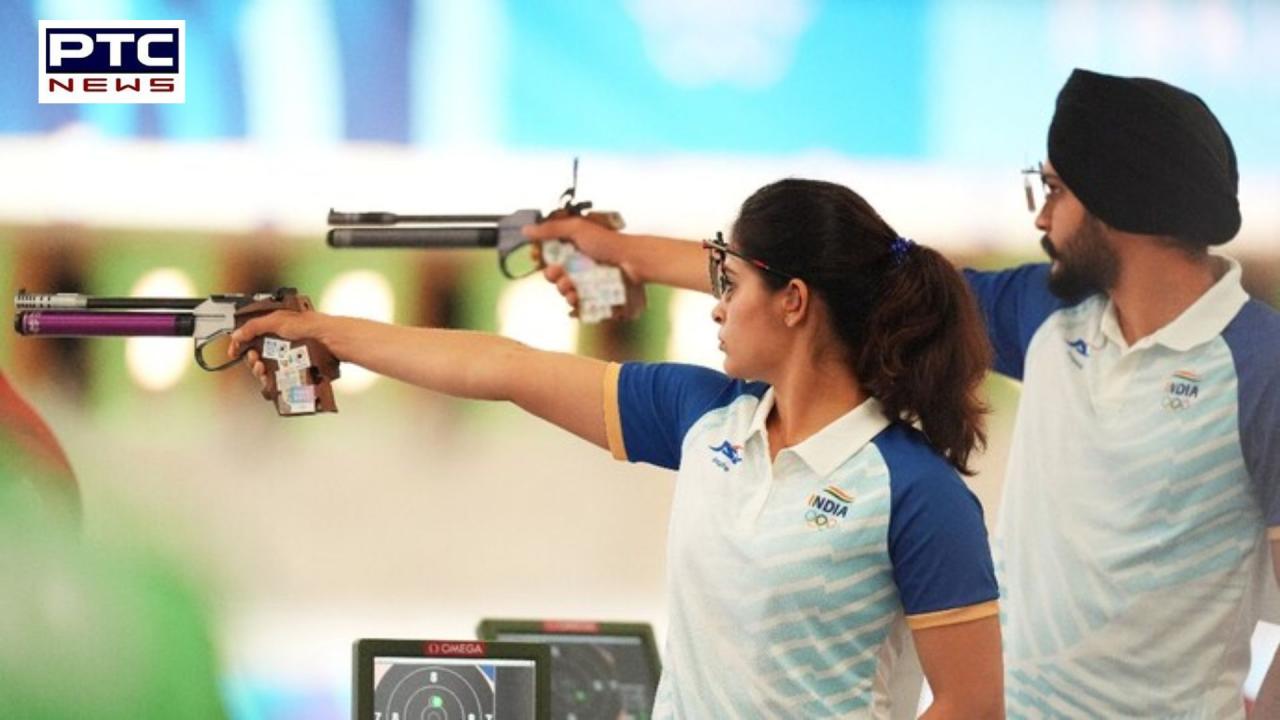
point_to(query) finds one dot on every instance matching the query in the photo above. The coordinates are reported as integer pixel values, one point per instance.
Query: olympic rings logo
(818, 520)
(1182, 390)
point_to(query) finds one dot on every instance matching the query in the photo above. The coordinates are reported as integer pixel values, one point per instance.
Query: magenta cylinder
(104, 324)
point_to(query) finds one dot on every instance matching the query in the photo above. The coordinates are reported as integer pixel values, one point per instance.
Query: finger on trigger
(257, 326)
(548, 229)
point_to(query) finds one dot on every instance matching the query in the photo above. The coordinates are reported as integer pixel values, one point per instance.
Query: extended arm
(566, 390)
(643, 258)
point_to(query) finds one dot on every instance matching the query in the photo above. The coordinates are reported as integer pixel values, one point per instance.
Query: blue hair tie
(900, 248)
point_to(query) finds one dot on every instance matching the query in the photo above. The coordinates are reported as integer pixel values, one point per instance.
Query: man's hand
(601, 244)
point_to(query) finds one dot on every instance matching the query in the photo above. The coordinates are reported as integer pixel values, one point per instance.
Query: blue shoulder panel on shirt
(1254, 339)
(937, 540)
(1014, 304)
(659, 402)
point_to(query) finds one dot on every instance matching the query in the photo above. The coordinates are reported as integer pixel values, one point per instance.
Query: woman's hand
(285, 324)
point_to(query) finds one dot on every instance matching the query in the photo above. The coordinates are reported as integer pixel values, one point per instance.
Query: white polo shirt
(792, 583)
(1131, 544)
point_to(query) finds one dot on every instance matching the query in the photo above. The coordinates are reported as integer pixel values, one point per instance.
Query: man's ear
(796, 302)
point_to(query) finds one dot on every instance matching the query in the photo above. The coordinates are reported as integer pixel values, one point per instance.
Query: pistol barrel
(337, 217)
(75, 301)
(442, 236)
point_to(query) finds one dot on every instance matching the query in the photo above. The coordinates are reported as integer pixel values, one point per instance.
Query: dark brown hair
(911, 327)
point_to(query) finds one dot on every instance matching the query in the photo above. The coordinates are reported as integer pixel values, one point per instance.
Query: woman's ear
(795, 302)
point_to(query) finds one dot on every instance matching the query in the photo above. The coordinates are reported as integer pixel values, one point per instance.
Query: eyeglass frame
(1027, 172)
(717, 250)
(1050, 191)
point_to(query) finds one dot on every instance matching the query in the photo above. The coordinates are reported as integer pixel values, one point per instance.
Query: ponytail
(925, 353)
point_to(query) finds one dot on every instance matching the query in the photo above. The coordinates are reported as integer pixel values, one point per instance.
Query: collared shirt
(1131, 542)
(792, 582)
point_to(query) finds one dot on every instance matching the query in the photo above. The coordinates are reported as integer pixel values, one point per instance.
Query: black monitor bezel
(365, 650)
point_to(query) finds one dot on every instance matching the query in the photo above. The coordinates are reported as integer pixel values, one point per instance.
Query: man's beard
(1087, 266)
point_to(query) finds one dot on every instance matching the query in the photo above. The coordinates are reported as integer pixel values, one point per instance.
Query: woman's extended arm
(567, 390)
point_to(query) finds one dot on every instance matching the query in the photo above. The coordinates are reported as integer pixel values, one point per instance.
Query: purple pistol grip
(101, 323)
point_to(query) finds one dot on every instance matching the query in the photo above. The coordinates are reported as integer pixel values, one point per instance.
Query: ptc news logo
(112, 61)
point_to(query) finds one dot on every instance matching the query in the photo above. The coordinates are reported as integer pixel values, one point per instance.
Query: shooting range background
(412, 515)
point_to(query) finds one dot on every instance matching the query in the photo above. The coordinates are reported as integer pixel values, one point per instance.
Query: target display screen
(449, 689)
(597, 672)
(438, 680)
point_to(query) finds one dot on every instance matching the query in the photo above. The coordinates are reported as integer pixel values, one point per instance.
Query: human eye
(727, 285)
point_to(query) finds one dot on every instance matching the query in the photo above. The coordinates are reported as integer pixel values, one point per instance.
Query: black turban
(1145, 157)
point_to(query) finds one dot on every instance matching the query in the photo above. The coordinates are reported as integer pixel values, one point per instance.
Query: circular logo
(819, 520)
